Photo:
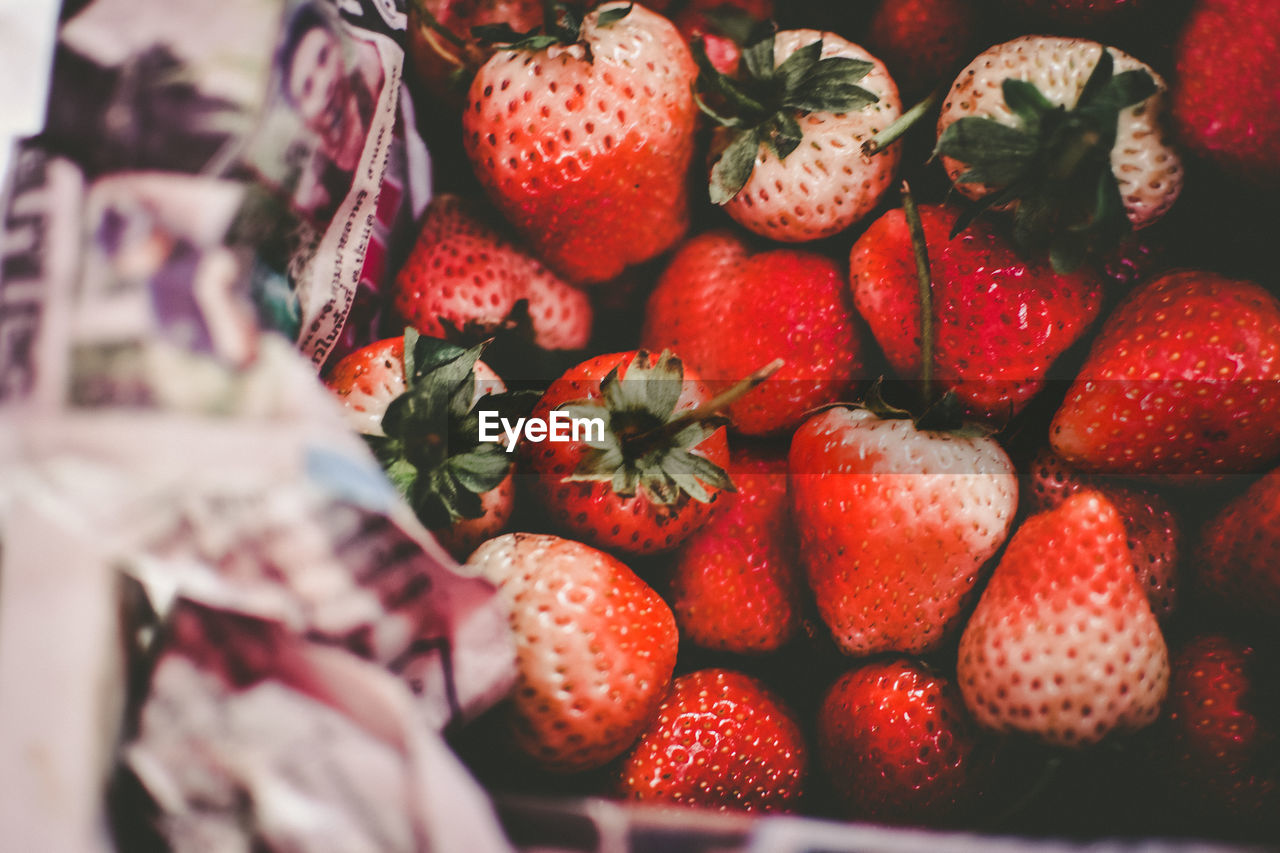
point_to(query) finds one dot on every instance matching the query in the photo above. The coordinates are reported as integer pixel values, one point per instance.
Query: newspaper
(209, 594)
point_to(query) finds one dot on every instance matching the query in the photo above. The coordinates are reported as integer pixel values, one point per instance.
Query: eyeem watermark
(559, 426)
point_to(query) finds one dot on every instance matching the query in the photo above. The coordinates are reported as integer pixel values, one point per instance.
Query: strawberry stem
(715, 405)
(925, 281)
(900, 125)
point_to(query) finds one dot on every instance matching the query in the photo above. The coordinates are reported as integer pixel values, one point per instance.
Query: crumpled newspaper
(219, 627)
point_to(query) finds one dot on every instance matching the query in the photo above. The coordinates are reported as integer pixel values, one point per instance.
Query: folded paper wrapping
(325, 611)
(304, 638)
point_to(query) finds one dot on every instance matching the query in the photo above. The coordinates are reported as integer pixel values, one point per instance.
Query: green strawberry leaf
(831, 87)
(757, 58)
(783, 134)
(732, 171)
(609, 17)
(648, 446)
(765, 105)
(796, 67)
(1053, 164)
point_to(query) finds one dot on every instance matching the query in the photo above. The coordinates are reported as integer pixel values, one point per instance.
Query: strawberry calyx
(647, 444)
(1056, 164)
(561, 25)
(431, 450)
(762, 104)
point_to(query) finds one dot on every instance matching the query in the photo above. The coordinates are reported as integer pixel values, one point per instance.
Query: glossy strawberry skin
(895, 525)
(589, 159)
(1182, 382)
(719, 740)
(1225, 97)
(595, 647)
(1062, 644)
(1218, 745)
(999, 321)
(1238, 556)
(1154, 528)
(921, 41)
(461, 272)
(899, 746)
(729, 311)
(593, 511)
(736, 585)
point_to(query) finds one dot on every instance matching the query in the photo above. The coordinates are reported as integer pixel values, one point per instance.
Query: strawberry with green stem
(655, 473)
(788, 162)
(897, 515)
(582, 136)
(416, 400)
(1067, 132)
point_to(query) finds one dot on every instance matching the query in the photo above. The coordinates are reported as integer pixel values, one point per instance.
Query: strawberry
(595, 647)
(736, 583)
(1063, 644)
(788, 161)
(1236, 559)
(657, 471)
(442, 50)
(1181, 381)
(424, 431)
(1001, 321)
(1226, 99)
(583, 138)
(720, 740)
(1155, 533)
(898, 745)
(463, 274)
(1218, 743)
(721, 26)
(895, 524)
(922, 41)
(787, 304)
(1070, 132)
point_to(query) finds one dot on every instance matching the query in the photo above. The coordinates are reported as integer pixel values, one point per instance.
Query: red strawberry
(463, 274)
(736, 584)
(1155, 533)
(595, 647)
(443, 52)
(786, 304)
(898, 745)
(460, 488)
(1070, 134)
(722, 26)
(585, 147)
(895, 524)
(999, 321)
(788, 158)
(1063, 644)
(1181, 381)
(1218, 744)
(1238, 558)
(922, 41)
(1226, 98)
(653, 477)
(720, 740)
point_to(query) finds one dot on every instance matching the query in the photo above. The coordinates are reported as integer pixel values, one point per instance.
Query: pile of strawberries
(939, 478)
